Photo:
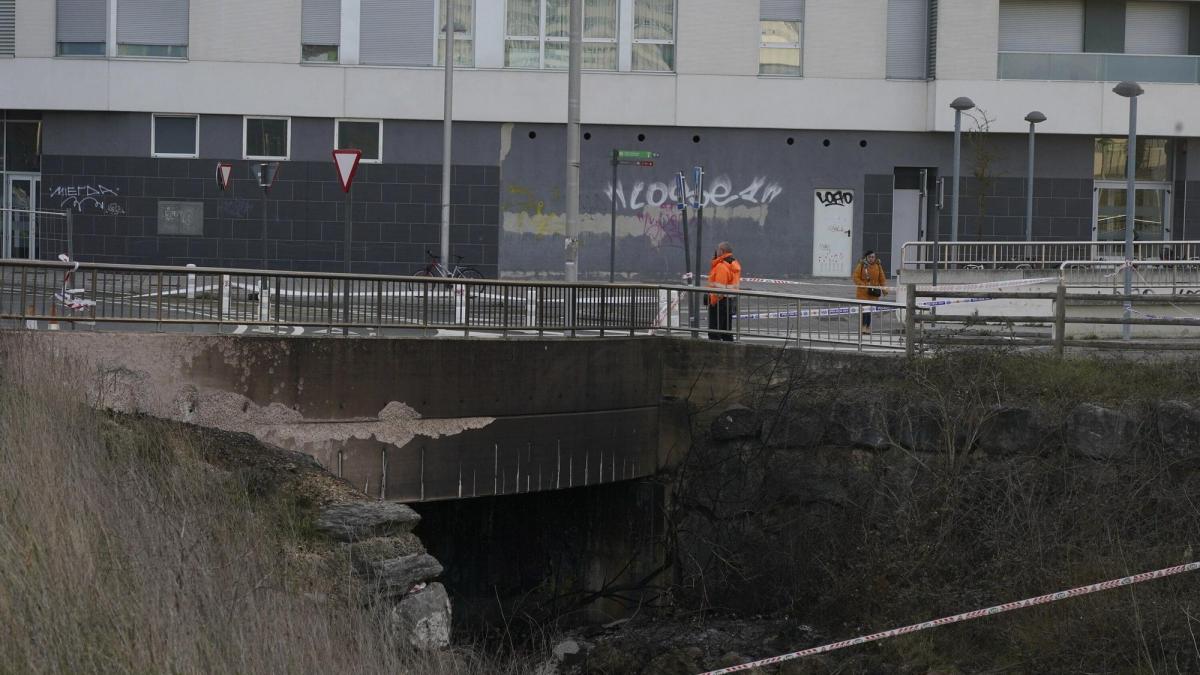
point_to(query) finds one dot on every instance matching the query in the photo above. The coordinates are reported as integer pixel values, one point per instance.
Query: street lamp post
(447, 132)
(959, 104)
(1131, 91)
(1034, 118)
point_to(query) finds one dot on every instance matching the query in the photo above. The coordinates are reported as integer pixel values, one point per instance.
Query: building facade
(814, 120)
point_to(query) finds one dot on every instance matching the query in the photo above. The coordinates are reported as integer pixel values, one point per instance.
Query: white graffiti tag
(719, 193)
(79, 196)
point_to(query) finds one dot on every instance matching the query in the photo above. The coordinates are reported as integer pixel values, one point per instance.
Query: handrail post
(345, 307)
(23, 286)
(910, 320)
(158, 303)
(1060, 317)
(425, 303)
(379, 307)
(632, 311)
(571, 310)
(603, 309)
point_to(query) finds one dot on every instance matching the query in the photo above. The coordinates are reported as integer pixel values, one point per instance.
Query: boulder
(1179, 428)
(857, 424)
(398, 576)
(1096, 432)
(800, 427)
(917, 428)
(351, 521)
(424, 617)
(606, 659)
(736, 423)
(678, 661)
(1011, 431)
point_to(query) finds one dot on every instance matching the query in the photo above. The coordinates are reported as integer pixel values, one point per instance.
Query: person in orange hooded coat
(871, 283)
(725, 272)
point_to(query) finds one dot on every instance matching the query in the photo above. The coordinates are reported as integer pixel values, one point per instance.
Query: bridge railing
(1035, 254)
(238, 300)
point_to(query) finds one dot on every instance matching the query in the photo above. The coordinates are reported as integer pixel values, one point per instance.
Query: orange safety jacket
(726, 272)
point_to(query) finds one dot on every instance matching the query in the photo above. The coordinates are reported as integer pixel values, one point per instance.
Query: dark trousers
(720, 317)
(866, 317)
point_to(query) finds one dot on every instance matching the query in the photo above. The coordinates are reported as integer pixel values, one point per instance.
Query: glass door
(1151, 215)
(20, 218)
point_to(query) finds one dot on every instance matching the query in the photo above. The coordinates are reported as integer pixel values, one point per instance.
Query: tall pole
(571, 264)
(1130, 191)
(957, 158)
(1029, 189)
(447, 123)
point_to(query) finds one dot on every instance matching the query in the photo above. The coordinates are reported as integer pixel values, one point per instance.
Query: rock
(678, 661)
(857, 424)
(351, 521)
(563, 657)
(1099, 433)
(795, 428)
(1011, 431)
(425, 617)
(917, 428)
(366, 551)
(398, 575)
(1179, 428)
(736, 423)
(606, 659)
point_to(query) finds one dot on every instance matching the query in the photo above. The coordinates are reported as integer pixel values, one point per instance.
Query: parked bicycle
(434, 268)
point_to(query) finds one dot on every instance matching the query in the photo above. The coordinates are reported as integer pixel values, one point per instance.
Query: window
(23, 145)
(781, 24)
(1041, 26)
(531, 42)
(267, 137)
(654, 35)
(152, 28)
(175, 136)
(464, 33)
(1152, 163)
(908, 39)
(8, 27)
(81, 27)
(365, 135)
(320, 30)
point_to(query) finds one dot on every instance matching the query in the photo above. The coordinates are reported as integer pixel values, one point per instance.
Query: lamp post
(447, 132)
(959, 104)
(1034, 118)
(1131, 91)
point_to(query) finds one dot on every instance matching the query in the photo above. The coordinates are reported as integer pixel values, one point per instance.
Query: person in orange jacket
(725, 272)
(871, 283)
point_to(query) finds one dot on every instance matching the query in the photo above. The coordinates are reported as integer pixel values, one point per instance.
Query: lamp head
(1035, 117)
(962, 103)
(1129, 89)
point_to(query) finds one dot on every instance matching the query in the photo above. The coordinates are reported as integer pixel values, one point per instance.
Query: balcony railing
(1099, 67)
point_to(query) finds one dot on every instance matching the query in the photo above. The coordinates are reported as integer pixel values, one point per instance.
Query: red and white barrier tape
(967, 616)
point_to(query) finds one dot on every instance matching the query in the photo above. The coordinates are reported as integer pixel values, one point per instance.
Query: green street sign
(636, 154)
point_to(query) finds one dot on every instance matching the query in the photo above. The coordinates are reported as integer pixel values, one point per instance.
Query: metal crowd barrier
(238, 300)
(1035, 254)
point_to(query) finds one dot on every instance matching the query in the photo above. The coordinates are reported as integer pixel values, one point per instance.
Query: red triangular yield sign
(224, 172)
(346, 162)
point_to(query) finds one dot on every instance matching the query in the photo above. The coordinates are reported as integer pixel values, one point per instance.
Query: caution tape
(967, 616)
(850, 310)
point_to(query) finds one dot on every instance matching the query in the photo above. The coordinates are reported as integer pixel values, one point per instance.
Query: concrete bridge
(413, 420)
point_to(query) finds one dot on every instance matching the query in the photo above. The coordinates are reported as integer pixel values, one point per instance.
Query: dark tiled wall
(396, 213)
(1187, 211)
(877, 217)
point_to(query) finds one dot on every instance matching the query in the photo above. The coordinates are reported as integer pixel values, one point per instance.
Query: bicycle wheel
(469, 273)
(423, 272)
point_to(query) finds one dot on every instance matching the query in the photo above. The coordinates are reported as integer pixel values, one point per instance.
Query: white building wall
(717, 37)
(35, 28)
(263, 31)
(968, 39)
(845, 39)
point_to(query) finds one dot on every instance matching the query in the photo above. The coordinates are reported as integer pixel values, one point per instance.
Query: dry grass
(120, 552)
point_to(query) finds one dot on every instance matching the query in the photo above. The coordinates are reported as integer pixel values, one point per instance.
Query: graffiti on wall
(92, 197)
(722, 191)
(662, 226)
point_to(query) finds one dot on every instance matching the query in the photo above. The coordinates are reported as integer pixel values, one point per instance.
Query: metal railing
(1035, 254)
(35, 235)
(276, 302)
(1096, 67)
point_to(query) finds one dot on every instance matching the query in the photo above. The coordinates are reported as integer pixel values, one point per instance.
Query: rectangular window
(464, 33)
(530, 42)
(8, 27)
(175, 136)
(152, 28)
(365, 135)
(320, 30)
(81, 27)
(1152, 162)
(654, 35)
(781, 48)
(907, 39)
(397, 33)
(1157, 28)
(1041, 26)
(267, 137)
(23, 143)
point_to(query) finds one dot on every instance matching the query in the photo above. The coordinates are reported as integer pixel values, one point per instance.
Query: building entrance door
(20, 215)
(1151, 214)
